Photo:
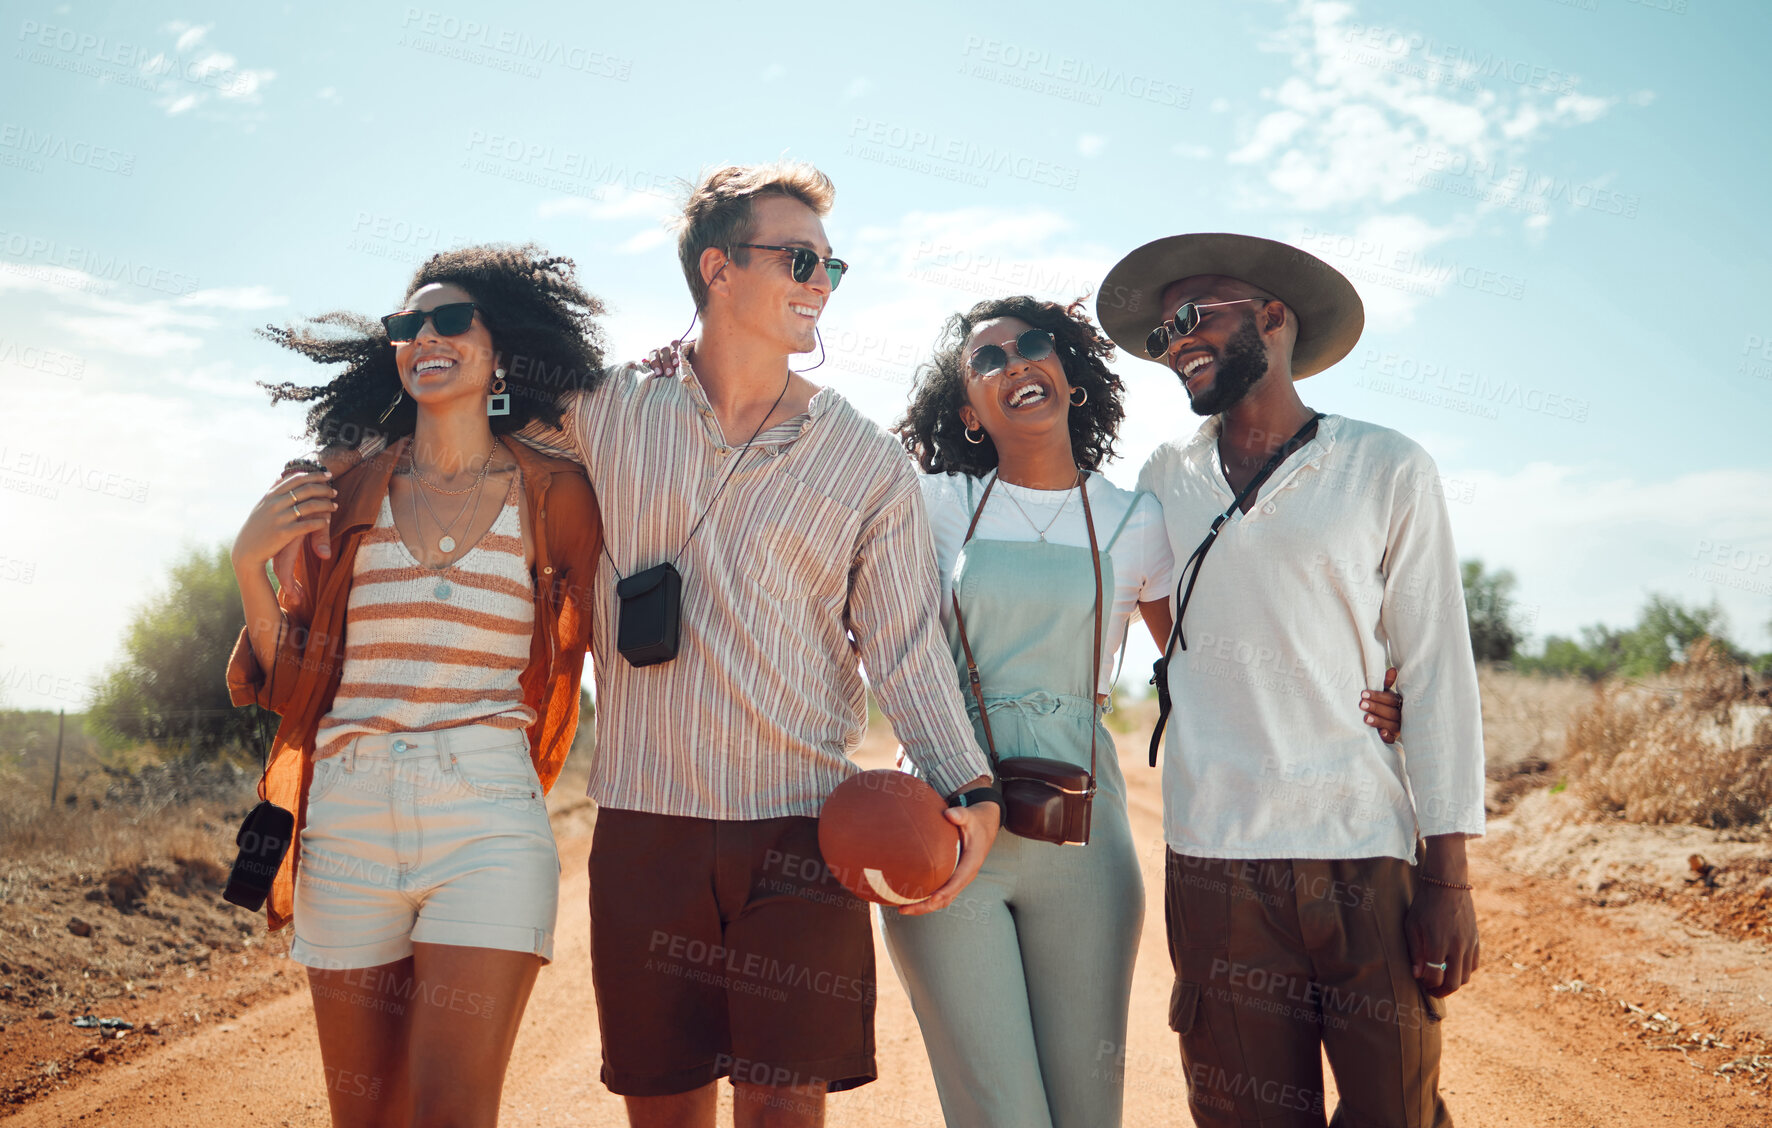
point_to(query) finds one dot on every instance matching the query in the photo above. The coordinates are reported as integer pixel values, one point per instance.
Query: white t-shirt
(1141, 555)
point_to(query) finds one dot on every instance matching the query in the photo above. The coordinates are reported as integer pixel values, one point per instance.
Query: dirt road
(1544, 1036)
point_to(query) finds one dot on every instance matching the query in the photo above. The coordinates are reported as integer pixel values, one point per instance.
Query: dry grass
(1694, 748)
(1526, 717)
(120, 836)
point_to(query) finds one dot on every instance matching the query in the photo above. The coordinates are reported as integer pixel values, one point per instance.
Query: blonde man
(721, 945)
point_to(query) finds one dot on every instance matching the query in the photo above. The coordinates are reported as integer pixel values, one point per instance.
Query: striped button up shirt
(816, 554)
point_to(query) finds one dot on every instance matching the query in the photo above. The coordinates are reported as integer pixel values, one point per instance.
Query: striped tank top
(434, 648)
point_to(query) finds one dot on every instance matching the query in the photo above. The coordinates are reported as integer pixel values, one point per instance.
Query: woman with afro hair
(1021, 987)
(425, 654)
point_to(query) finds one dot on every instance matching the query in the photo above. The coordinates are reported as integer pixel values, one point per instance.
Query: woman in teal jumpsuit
(1021, 986)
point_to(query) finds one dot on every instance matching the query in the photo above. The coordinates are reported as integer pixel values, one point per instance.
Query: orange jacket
(568, 534)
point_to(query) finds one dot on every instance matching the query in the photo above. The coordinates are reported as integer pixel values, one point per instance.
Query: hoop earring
(972, 440)
(499, 402)
(1079, 402)
(383, 417)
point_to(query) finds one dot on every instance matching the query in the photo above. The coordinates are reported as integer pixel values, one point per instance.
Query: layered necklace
(446, 542)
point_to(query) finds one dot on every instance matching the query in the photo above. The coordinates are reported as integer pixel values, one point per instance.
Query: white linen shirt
(1344, 565)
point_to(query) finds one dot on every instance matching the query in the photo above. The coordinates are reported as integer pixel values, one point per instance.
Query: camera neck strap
(265, 740)
(730, 470)
(1190, 572)
(972, 678)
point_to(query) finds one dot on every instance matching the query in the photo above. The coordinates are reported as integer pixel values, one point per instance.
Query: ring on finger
(1437, 966)
(295, 509)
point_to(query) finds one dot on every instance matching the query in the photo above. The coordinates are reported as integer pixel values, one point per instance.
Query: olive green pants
(1279, 962)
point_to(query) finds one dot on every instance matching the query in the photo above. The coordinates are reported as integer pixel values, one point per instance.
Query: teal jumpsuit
(1021, 985)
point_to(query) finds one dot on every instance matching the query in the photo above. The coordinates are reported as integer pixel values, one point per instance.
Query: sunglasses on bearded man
(1185, 320)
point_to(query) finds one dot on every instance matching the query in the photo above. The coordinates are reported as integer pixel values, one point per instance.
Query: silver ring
(296, 509)
(1437, 966)
(293, 500)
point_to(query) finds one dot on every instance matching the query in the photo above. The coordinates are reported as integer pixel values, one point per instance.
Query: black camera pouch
(263, 840)
(651, 609)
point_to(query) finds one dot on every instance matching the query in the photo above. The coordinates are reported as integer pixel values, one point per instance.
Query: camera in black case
(651, 615)
(263, 840)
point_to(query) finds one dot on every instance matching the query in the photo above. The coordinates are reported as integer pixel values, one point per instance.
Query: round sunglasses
(450, 320)
(990, 361)
(804, 259)
(1185, 320)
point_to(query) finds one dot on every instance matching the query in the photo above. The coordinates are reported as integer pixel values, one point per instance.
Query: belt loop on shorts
(348, 756)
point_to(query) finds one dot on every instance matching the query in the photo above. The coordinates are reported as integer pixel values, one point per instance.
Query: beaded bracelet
(1447, 884)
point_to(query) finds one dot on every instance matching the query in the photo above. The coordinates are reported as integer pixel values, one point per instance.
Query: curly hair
(543, 325)
(932, 430)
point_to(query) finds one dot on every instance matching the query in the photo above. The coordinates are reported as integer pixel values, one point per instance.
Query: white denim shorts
(435, 837)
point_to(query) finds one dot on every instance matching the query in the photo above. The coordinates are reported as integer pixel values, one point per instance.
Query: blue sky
(1554, 213)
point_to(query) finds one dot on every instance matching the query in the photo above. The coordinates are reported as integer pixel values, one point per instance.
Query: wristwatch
(979, 795)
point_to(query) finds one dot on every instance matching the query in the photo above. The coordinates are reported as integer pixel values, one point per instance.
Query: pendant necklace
(1041, 532)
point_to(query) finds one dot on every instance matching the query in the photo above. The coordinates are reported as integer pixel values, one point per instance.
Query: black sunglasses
(451, 320)
(804, 260)
(1185, 320)
(989, 361)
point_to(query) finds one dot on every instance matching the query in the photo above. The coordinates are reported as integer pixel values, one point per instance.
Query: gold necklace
(446, 543)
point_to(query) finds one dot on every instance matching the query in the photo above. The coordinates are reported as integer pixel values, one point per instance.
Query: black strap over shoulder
(1160, 671)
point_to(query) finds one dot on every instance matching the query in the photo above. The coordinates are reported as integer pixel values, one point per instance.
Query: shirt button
(1268, 508)
(548, 570)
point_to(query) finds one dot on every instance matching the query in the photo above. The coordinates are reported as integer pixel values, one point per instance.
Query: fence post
(55, 781)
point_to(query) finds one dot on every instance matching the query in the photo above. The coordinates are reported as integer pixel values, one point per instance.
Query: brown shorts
(726, 949)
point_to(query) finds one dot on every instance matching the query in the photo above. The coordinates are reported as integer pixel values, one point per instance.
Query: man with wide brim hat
(1318, 552)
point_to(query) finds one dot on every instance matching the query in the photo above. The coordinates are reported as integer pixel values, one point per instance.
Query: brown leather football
(886, 837)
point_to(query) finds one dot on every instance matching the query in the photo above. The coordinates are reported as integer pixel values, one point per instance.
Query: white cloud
(184, 82)
(190, 36)
(234, 297)
(619, 202)
(1366, 107)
